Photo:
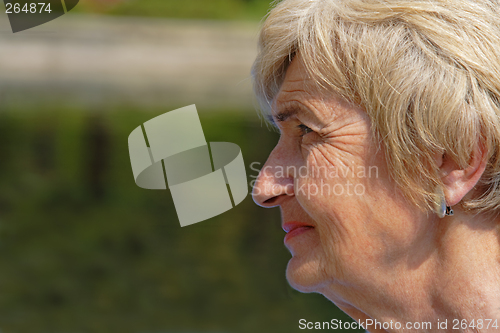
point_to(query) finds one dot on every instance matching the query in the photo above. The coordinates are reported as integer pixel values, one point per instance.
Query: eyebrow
(283, 115)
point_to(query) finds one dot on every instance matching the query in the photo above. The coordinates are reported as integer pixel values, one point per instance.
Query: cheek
(349, 194)
(357, 206)
(333, 193)
(332, 176)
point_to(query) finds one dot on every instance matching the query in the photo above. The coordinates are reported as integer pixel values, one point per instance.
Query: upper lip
(289, 226)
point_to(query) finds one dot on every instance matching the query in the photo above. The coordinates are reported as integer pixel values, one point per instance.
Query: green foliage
(191, 9)
(83, 249)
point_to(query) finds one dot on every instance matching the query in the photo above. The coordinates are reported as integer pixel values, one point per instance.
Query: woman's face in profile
(341, 210)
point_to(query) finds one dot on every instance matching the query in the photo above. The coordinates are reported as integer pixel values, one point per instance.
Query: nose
(275, 182)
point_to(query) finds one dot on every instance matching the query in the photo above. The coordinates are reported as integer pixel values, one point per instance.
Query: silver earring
(442, 209)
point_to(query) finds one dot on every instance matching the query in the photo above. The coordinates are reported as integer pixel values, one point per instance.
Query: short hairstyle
(427, 72)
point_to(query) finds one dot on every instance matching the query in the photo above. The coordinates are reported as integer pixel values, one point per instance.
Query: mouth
(294, 229)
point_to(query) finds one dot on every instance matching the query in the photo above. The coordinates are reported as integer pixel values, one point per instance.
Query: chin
(304, 276)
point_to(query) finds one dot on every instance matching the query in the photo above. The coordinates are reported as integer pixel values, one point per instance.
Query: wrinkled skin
(366, 248)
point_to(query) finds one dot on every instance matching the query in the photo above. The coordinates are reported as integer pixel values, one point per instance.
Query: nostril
(270, 201)
(269, 191)
(274, 201)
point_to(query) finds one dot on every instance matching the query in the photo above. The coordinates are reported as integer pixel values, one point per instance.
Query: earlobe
(457, 181)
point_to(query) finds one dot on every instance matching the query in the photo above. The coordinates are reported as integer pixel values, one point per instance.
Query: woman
(387, 171)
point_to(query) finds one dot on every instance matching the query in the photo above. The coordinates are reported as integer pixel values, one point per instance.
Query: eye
(304, 129)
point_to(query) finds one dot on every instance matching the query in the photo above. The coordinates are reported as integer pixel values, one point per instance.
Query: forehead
(297, 81)
(300, 90)
(297, 87)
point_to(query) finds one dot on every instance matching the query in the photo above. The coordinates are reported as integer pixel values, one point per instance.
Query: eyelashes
(304, 129)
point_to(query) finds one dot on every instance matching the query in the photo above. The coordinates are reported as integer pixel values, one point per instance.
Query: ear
(458, 182)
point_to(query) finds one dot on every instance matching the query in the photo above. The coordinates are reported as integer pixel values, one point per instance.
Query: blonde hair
(427, 72)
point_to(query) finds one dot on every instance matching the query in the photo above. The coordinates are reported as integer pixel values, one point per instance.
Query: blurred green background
(190, 9)
(82, 248)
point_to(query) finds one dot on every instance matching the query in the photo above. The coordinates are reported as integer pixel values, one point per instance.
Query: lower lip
(296, 232)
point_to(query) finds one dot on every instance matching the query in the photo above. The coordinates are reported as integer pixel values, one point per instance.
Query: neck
(458, 279)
